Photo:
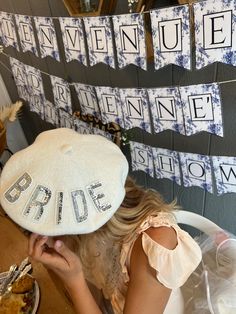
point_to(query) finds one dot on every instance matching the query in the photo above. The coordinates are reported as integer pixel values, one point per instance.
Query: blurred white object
(5, 99)
(212, 287)
(15, 136)
(197, 221)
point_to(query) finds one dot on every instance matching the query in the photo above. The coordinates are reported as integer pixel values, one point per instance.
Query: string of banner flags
(183, 109)
(196, 169)
(121, 39)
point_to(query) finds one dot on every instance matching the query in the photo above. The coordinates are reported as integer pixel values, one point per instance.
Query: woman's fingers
(63, 250)
(55, 255)
(41, 249)
(37, 245)
(32, 240)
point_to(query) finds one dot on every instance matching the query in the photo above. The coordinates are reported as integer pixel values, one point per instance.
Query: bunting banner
(120, 40)
(186, 109)
(135, 109)
(166, 109)
(225, 174)
(196, 171)
(109, 104)
(166, 163)
(29, 85)
(20, 78)
(171, 36)
(36, 91)
(86, 128)
(7, 30)
(87, 99)
(202, 108)
(99, 38)
(157, 162)
(51, 113)
(35, 81)
(129, 34)
(61, 92)
(36, 104)
(142, 158)
(215, 32)
(82, 127)
(186, 169)
(66, 120)
(26, 33)
(73, 39)
(47, 37)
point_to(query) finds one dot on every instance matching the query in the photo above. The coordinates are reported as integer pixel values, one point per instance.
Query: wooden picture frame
(142, 5)
(90, 7)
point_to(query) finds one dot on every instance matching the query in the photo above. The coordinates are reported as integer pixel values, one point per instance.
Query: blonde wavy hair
(138, 204)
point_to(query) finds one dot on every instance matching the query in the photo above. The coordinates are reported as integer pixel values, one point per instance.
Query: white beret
(64, 183)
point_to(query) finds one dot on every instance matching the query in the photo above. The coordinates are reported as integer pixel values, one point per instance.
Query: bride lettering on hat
(42, 195)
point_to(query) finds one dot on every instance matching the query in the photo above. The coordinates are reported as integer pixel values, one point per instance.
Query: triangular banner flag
(61, 92)
(142, 158)
(129, 33)
(215, 32)
(109, 104)
(8, 32)
(202, 108)
(47, 37)
(99, 38)
(135, 108)
(51, 113)
(196, 171)
(66, 120)
(87, 99)
(166, 163)
(73, 39)
(166, 109)
(225, 174)
(171, 36)
(82, 127)
(26, 33)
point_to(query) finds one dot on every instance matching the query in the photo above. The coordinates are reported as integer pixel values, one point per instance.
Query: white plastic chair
(197, 221)
(223, 302)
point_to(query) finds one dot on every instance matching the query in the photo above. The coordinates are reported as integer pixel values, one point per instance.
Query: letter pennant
(171, 36)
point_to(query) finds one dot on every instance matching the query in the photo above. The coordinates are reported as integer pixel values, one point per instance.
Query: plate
(36, 293)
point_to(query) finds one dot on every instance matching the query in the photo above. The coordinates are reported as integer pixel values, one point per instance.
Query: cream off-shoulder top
(108, 269)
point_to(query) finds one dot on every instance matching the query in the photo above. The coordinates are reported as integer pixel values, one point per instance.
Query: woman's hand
(55, 255)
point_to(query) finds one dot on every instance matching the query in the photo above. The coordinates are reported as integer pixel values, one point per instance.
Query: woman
(126, 241)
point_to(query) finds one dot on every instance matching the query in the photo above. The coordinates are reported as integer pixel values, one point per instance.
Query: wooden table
(13, 249)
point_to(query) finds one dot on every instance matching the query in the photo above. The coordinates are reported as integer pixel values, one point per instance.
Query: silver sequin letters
(39, 199)
(59, 207)
(78, 197)
(96, 198)
(15, 190)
